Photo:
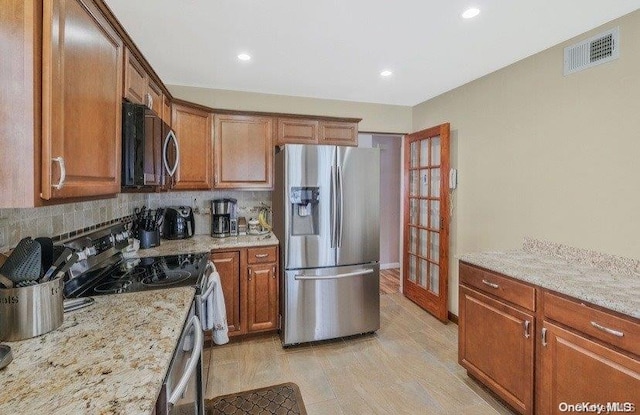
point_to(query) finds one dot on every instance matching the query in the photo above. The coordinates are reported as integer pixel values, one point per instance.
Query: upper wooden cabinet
(338, 133)
(315, 131)
(166, 110)
(81, 101)
(139, 88)
(243, 152)
(193, 128)
(297, 131)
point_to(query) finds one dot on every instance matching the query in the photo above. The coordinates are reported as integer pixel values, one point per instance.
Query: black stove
(107, 272)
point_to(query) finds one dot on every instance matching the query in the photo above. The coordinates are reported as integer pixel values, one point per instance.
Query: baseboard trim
(390, 265)
(452, 317)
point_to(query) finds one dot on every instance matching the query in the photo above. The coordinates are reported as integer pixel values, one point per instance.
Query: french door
(426, 219)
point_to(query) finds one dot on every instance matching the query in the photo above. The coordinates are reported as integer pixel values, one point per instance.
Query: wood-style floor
(389, 281)
(409, 366)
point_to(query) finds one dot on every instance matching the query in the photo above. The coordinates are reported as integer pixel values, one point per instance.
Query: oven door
(183, 385)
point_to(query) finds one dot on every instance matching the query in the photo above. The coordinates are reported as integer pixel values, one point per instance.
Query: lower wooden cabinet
(577, 369)
(249, 279)
(524, 341)
(496, 346)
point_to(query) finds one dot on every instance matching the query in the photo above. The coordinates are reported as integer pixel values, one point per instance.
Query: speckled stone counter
(109, 358)
(616, 289)
(205, 243)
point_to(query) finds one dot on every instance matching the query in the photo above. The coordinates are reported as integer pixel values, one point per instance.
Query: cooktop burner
(130, 275)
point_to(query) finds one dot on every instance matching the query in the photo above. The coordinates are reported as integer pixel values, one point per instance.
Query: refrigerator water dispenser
(304, 210)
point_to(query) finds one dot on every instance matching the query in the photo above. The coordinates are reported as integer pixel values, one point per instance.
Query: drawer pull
(249, 273)
(490, 284)
(544, 337)
(607, 330)
(261, 255)
(526, 323)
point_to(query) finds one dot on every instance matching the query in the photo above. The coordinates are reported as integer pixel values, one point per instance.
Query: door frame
(435, 305)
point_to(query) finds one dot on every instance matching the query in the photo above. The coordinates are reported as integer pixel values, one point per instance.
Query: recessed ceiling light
(470, 13)
(244, 57)
(386, 73)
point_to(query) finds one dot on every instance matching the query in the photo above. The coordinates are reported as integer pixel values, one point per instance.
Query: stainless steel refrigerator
(326, 216)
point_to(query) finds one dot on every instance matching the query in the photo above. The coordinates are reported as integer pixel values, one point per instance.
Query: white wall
(547, 156)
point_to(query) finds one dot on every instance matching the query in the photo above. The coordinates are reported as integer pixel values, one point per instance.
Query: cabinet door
(297, 131)
(154, 97)
(262, 297)
(606, 376)
(243, 152)
(81, 101)
(193, 128)
(135, 79)
(338, 133)
(228, 266)
(496, 346)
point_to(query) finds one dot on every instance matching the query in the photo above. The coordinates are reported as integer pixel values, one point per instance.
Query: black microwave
(150, 152)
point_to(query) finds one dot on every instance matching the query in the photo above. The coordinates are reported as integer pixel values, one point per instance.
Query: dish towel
(216, 311)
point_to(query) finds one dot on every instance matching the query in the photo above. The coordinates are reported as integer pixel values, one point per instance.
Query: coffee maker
(225, 218)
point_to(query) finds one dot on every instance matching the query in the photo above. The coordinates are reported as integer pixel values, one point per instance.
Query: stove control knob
(90, 251)
(122, 236)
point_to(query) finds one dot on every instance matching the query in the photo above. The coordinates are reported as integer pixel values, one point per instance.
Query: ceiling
(336, 49)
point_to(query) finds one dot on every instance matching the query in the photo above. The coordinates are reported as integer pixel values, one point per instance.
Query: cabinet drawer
(262, 255)
(505, 288)
(604, 326)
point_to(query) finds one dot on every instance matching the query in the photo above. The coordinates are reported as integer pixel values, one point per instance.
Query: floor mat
(284, 399)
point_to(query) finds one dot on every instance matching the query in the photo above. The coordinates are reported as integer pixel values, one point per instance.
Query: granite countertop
(613, 289)
(109, 358)
(206, 243)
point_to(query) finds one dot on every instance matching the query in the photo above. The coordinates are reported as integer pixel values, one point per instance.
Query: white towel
(216, 312)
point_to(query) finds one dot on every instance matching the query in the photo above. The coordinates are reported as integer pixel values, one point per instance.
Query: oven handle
(192, 364)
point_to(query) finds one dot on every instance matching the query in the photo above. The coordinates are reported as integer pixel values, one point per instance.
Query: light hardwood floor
(409, 366)
(389, 281)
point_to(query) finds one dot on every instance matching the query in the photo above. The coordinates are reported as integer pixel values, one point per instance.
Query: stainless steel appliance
(225, 218)
(104, 271)
(326, 216)
(178, 223)
(150, 153)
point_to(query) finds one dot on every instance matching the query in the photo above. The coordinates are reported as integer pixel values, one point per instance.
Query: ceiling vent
(599, 49)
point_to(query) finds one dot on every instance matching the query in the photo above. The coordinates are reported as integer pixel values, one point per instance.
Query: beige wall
(547, 156)
(375, 117)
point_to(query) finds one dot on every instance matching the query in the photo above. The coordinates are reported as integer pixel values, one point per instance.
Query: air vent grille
(594, 51)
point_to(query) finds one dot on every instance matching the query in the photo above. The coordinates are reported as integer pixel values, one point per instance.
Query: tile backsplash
(16, 224)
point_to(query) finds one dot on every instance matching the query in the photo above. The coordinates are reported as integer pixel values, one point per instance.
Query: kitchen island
(109, 358)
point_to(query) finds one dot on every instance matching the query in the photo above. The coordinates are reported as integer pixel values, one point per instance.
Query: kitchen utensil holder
(149, 239)
(31, 311)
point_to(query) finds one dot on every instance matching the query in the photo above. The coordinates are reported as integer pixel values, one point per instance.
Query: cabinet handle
(249, 273)
(544, 337)
(63, 173)
(490, 284)
(616, 333)
(222, 261)
(273, 269)
(262, 255)
(527, 323)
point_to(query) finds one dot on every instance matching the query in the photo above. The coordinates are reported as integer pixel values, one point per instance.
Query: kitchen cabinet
(602, 345)
(81, 101)
(316, 131)
(166, 110)
(228, 266)
(193, 128)
(496, 346)
(243, 149)
(249, 278)
(338, 133)
(139, 87)
(297, 131)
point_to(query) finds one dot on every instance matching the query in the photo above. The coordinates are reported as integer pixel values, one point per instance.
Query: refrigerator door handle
(340, 208)
(334, 207)
(302, 277)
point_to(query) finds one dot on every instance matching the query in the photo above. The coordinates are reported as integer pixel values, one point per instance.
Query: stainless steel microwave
(150, 153)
